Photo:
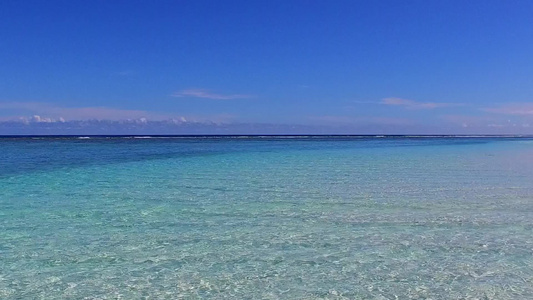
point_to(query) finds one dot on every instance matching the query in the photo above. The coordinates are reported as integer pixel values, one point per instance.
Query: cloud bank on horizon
(356, 67)
(45, 118)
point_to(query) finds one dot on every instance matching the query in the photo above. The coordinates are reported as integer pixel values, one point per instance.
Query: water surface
(266, 218)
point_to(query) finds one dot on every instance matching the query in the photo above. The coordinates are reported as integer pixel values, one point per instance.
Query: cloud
(468, 120)
(346, 120)
(488, 121)
(200, 93)
(517, 109)
(41, 113)
(53, 112)
(411, 104)
(136, 127)
(104, 113)
(39, 119)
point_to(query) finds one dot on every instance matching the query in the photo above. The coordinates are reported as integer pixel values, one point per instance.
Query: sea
(266, 217)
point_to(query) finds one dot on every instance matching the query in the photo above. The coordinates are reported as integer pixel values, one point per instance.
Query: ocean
(266, 217)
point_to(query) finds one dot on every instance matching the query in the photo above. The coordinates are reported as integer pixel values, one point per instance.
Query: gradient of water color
(266, 218)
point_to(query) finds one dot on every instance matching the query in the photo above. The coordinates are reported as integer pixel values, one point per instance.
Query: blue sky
(326, 66)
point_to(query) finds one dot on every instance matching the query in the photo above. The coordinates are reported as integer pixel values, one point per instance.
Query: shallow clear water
(266, 218)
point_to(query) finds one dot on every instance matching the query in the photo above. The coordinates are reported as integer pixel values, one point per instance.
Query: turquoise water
(266, 218)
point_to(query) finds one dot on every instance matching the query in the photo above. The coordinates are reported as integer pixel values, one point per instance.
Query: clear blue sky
(452, 66)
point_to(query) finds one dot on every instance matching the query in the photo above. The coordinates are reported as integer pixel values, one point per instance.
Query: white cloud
(38, 119)
(347, 120)
(518, 109)
(36, 112)
(411, 104)
(491, 121)
(200, 93)
(46, 112)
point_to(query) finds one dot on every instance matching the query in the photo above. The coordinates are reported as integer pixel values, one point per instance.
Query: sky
(347, 67)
